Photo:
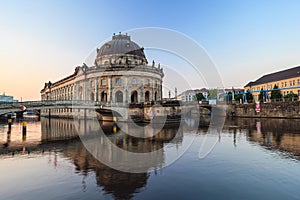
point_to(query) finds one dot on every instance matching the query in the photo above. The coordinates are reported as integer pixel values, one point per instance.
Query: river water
(252, 159)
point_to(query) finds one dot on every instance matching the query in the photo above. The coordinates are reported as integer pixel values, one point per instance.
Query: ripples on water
(253, 159)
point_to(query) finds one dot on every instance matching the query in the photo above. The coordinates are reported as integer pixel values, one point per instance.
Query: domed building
(120, 75)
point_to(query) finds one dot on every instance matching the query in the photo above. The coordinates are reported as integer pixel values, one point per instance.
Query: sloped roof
(277, 76)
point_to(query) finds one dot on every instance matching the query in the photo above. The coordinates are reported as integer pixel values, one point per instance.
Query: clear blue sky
(45, 40)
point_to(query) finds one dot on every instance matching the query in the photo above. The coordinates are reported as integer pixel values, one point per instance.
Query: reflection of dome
(120, 45)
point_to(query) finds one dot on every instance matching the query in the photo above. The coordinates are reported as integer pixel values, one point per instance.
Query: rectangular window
(134, 81)
(147, 82)
(103, 81)
(118, 81)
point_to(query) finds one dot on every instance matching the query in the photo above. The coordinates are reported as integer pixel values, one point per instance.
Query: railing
(89, 103)
(52, 103)
(294, 99)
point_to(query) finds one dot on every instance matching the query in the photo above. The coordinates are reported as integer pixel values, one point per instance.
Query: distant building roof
(204, 90)
(281, 75)
(6, 98)
(249, 84)
(194, 91)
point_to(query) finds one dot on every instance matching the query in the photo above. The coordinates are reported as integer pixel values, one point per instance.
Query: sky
(46, 40)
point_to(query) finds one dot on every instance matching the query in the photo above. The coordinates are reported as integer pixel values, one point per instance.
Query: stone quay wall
(267, 110)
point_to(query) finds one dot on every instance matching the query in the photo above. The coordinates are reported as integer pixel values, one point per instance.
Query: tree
(276, 94)
(212, 94)
(290, 97)
(238, 97)
(249, 96)
(261, 95)
(199, 96)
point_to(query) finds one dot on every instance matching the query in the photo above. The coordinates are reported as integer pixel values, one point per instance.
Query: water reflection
(121, 185)
(58, 139)
(273, 134)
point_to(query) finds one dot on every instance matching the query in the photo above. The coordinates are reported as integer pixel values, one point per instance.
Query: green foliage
(275, 93)
(261, 96)
(212, 94)
(199, 96)
(249, 96)
(238, 97)
(290, 97)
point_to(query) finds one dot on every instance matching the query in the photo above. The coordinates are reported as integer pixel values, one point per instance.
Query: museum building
(120, 75)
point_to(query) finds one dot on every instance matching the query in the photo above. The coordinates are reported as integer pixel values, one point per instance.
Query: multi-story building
(287, 81)
(120, 75)
(189, 95)
(7, 99)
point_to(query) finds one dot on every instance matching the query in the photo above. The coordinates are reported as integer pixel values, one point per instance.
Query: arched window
(155, 96)
(147, 96)
(119, 97)
(92, 96)
(104, 96)
(80, 93)
(134, 97)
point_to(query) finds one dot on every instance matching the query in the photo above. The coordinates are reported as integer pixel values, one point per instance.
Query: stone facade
(267, 110)
(121, 75)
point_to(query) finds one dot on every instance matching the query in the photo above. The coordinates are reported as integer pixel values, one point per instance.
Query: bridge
(118, 109)
(51, 104)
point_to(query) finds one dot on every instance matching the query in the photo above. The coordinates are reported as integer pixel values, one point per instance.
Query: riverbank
(289, 110)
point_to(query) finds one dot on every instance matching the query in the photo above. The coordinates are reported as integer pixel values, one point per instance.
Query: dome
(120, 44)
